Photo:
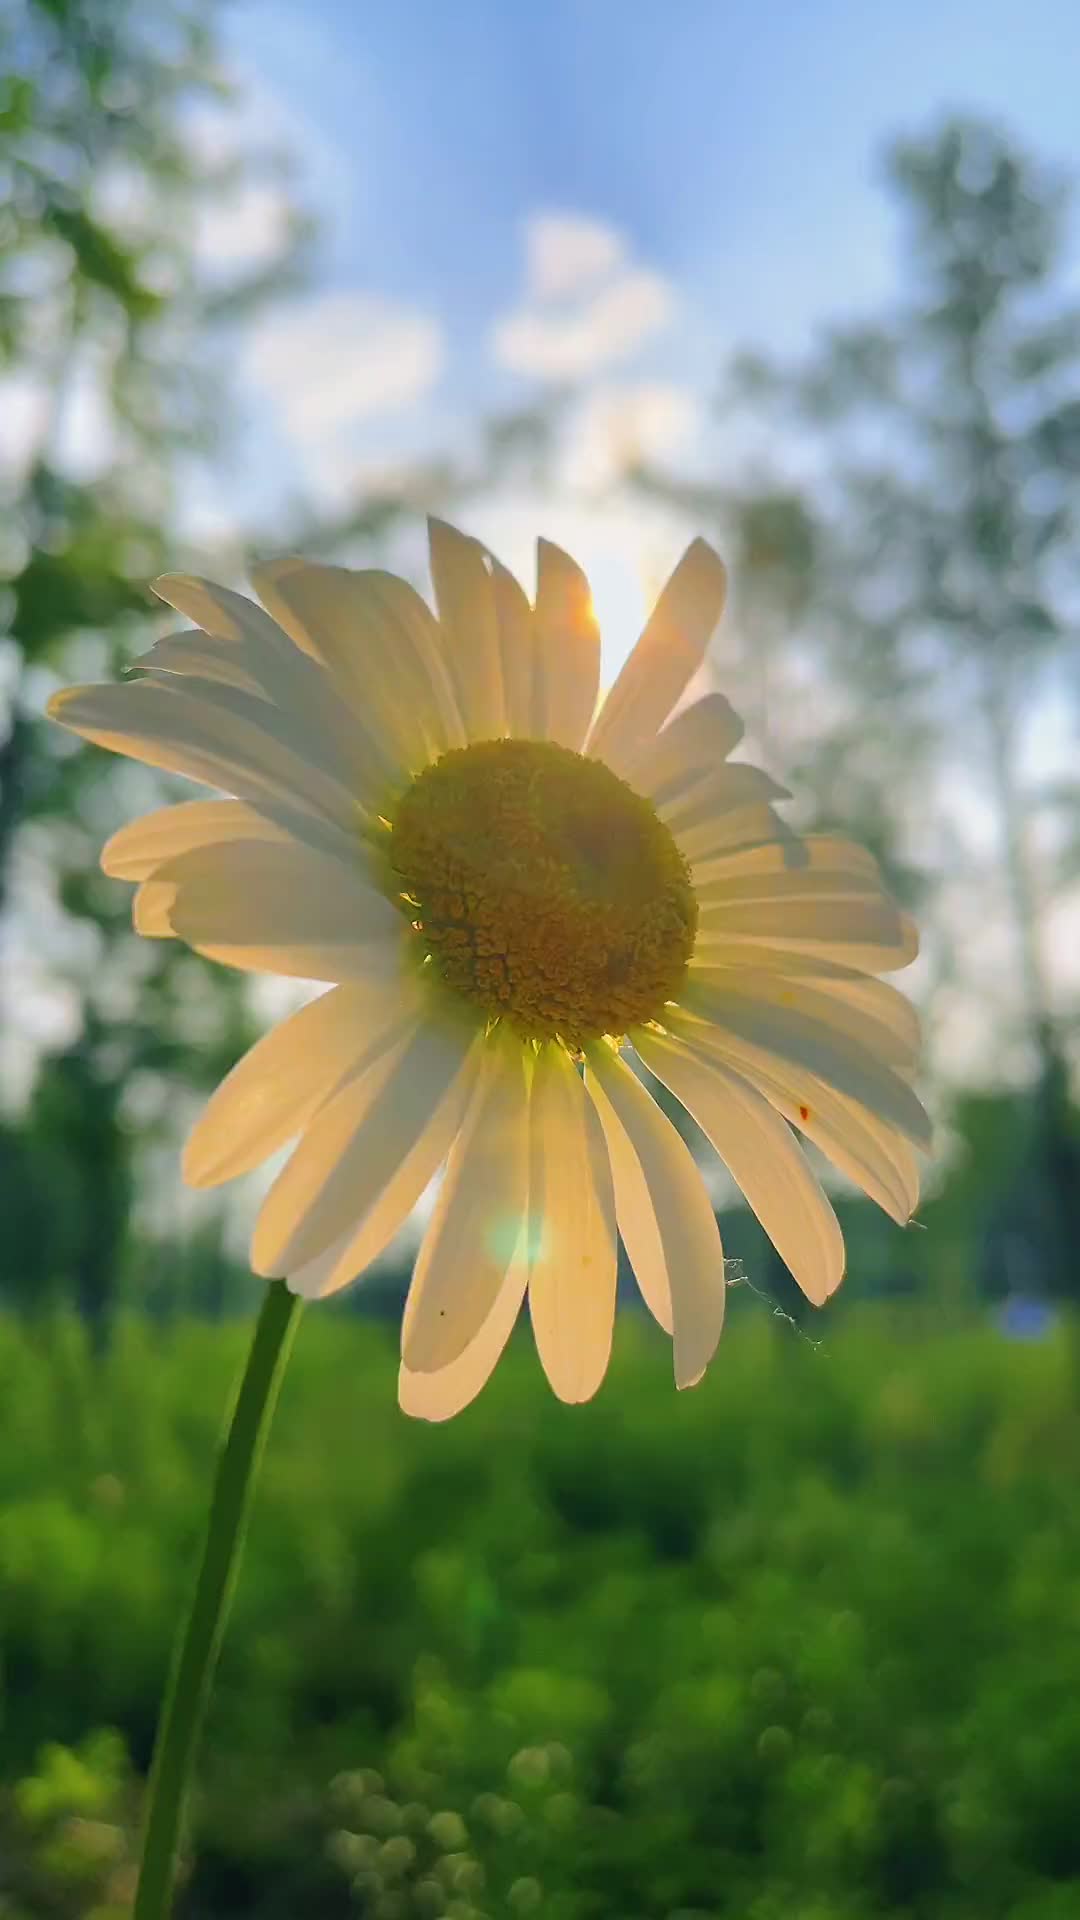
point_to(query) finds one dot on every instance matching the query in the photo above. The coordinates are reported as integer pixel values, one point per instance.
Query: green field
(803, 1644)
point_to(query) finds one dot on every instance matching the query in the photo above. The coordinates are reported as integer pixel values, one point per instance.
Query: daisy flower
(507, 889)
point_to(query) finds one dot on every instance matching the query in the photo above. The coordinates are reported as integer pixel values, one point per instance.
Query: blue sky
(621, 192)
(606, 189)
(734, 145)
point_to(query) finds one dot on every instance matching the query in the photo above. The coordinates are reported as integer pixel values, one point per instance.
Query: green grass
(803, 1644)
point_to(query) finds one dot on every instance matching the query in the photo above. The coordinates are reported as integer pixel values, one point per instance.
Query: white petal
(732, 785)
(357, 1247)
(865, 1011)
(664, 1214)
(136, 850)
(760, 1153)
(232, 742)
(794, 853)
(872, 937)
(743, 829)
(694, 744)
(281, 908)
(221, 612)
(867, 1150)
(438, 1396)
(288, 675)
(891, 1013)
(568, 647)
(718, 895)
(522, 696)
(784, 1035)
(668, 654)
(355, 1144)
(151, 910)
(477, 1229)
(572, 1239)
(198, 655)
(380, 644)
(466, 603)
(273, 1091)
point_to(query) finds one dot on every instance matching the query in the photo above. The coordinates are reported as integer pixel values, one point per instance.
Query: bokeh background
(801, 1645)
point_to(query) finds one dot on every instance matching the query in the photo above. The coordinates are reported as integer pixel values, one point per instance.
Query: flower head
(508, 888)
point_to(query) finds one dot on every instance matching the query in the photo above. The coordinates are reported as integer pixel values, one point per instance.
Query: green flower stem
(193, 1665)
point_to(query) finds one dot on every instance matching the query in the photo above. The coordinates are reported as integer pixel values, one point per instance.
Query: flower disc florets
(545, 890)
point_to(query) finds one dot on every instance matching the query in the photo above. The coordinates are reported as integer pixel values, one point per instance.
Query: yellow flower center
(546, 892)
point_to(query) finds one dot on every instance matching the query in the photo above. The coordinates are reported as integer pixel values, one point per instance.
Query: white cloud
(623, 425)
(334, 360)
(244, 229)
(559, 344)
(586, 302)
(566, 252)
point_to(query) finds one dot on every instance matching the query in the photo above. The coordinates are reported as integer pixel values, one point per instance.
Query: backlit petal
(380, 644)
(464, 596)
(355, 1144)
(760, 1153)
(572, 1239)
(663, 1211)
(477, 1230)
(866, 1149)
(568, 647)
(438, 1396)
(281, 908)
(282, 1080)
(670, 651)
(357, 1247)
(696, 743)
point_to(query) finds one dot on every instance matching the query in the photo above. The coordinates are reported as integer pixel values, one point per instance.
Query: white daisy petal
(137, 850)
(899, 1030)
(668, 654)
(244, 749)
(862, 1010)
(788, 1037)
(355, 1144)
(220, 612)
(280, 908)
(864, 1148)
(872, 937)
(568, 647)
(197, 655)
(663, 1212)
(243, 638)
(274, 1090)
(477, 1231)
(151, 910)
(732, 785)
(380, 644)
(745, 829)
(693, 745)
(466, 603)
(523, 704)
(572, 1238)
(438, 1396)
(760, 1153)
(357, 1247)
(717, 896)
(798, 853)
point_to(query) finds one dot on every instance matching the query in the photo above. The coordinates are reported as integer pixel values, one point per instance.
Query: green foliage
(102, 292)
(797, 1643)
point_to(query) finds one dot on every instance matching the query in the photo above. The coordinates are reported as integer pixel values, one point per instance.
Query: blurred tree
(111, 314)
(953, 435)
(924, 602)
